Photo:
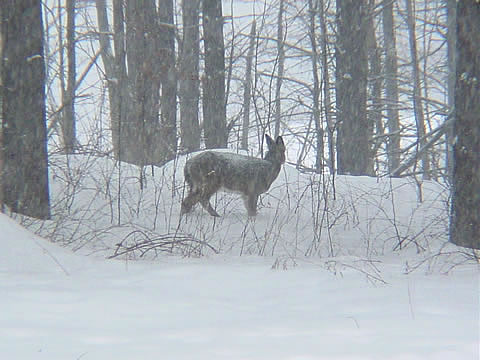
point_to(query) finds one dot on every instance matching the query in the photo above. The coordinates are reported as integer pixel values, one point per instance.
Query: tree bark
(139, 137)
(374, 111)
(391, 87)
(280, 71)
(451, 40)
(417, 91)
(247, 87)
(214, 111)
(25, 167)
(189, 78)
(353, 146)
(168, 80)
(326, 89)
(465, 221)
(68, 118)
(316, 87)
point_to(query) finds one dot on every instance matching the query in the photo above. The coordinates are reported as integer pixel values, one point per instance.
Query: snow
(364, 301)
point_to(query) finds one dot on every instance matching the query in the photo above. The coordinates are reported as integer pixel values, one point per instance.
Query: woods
(354, 87)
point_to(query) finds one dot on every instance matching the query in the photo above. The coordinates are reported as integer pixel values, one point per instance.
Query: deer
(213, 171)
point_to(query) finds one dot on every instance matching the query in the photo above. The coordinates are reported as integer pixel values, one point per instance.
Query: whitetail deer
(211, 171)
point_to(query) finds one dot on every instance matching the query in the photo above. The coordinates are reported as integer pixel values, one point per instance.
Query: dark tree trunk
(214, 111)
(140, 136)
(168, 78)
(465, 221)
(188, 78)
(25, 167)
(353, 146)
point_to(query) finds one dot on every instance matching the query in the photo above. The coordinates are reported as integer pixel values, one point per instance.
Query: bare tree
(140, 135)
(168, 79)
(326, 88)
(280, 68)
(451, 40)
(24, 143)
(353, 139)
(465, 221)
(312, 7)
(214, 110)
(417, 91)
(391, 87)
(68, 116)
(189, 83)
(375, 108)
(247, 92)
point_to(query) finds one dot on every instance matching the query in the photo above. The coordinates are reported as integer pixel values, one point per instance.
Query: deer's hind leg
(206, 193)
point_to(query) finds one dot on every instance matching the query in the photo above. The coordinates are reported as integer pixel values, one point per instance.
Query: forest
(384, 89)
(350, 128)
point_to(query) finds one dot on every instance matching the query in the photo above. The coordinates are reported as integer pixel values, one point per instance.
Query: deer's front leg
(251, 204)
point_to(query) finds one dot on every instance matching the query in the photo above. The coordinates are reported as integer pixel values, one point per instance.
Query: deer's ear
(280, 141)
(269, 140)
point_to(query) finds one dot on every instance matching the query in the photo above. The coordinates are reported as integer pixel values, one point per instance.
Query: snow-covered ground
(354, 297)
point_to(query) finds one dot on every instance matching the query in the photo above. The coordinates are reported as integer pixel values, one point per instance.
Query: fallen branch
(167, 243)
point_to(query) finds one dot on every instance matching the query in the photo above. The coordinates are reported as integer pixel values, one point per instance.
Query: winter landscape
(260, 297)
(360, 120)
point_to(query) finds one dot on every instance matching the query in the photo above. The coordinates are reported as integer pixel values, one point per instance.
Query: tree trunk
(374, 112)
(280, 71)
(451, 39)
(353, 146)
(465, 221)
(316, 87)
(214, 111)
(25, 167)
(1, 110)
(138, 135)
(417, 92)
(326, 89)
(168, 79)
(68, 118)
(391, 88)
(115, 78)
(189, 78)
(247, 87)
